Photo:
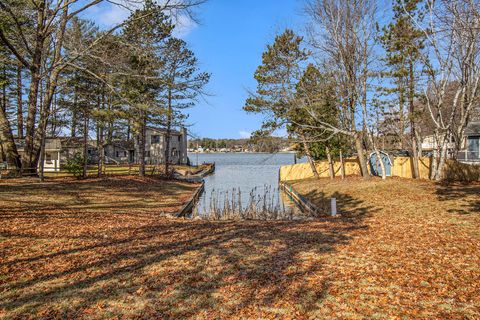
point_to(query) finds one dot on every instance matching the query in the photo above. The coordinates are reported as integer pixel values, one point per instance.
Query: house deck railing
(468, 156)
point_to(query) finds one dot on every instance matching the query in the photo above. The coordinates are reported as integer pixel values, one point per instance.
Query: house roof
(51, 144)
(473, 128)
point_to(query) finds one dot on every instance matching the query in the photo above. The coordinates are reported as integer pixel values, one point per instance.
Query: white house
(471, 146)
(470, 151)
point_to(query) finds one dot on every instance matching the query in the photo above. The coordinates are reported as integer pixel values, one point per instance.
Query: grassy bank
(401, 249)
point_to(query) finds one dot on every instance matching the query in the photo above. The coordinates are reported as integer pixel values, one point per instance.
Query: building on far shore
(59, 149)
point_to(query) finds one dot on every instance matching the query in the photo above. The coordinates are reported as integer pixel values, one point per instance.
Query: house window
(155, 139)
(147, 154)
(473, 147)
(48, 157)
(121, 154)
(179, 138)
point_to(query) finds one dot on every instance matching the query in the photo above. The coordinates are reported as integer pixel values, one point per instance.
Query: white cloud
(113, 15)
(245, 134)
(183, 26)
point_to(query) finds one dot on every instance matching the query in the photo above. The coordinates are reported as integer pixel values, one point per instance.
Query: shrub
(74, 165)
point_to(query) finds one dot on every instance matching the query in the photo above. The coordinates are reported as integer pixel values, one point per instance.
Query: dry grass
(116, 170)
(402, 249)
(419, 254)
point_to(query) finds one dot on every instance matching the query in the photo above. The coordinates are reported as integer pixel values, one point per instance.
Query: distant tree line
(61, 74)
(265, 144)
(350, 83)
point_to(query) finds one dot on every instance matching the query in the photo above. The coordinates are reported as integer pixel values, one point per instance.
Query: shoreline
(218, 152)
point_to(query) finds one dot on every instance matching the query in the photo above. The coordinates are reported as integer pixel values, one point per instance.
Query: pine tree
(277, 78)
(183, 83)
(145, 32)
(316, 102)
(403, 43)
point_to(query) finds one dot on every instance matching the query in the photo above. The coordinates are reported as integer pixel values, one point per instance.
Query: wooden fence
(401, 167)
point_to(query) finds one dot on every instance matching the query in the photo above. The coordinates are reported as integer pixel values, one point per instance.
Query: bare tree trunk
(53, 122)
(415, 158)
(101, 151)
(342, 165)
(4, 90)
(382, 164)
(419, 145)
(434, 165)
(8, 142)
(169, 132)
(19, 102)
(3, 156)
(361, 156)
(41, 160)
(107, 100)
(309, 157)
(377, 153)
(413, 135)
(128, 130)
(29, 156)
(401, 112)
(51, 87)
(442, 161)
(331, 171)
(73, 128)
(141, 143)
(439, 156)
(85, 144)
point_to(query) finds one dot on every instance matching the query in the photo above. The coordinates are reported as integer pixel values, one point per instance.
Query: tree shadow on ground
(347, 206)
(143, 266)
(465, 198)
(119, 194)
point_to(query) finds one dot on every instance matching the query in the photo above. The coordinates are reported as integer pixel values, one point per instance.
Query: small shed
(375, 166)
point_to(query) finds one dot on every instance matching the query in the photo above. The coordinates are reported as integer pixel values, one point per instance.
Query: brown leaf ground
(401, 249)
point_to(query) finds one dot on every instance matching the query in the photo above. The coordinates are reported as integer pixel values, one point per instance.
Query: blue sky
(229, 42)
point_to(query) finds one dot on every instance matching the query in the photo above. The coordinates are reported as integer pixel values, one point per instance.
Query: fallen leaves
(101, 250)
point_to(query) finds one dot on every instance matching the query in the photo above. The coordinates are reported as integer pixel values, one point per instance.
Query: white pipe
(334, 206)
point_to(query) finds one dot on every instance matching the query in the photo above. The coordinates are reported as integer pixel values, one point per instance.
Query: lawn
(401, 249)
(109, 170)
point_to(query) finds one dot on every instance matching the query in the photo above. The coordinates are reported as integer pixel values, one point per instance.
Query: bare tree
(340, 33)
(452, 67)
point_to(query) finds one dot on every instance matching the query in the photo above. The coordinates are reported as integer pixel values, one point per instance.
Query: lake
(244, 171)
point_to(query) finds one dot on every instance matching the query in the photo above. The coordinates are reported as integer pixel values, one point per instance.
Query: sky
(228, 41)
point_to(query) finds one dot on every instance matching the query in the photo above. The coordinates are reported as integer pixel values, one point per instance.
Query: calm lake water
(244, 171)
